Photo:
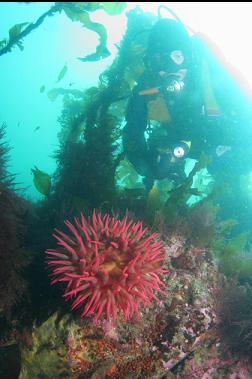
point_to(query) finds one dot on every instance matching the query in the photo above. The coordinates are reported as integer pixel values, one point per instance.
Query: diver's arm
(218, 59)
(229, 137)
(134, 140)
(230, 87)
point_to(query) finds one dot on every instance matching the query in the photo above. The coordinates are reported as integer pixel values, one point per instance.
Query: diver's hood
(168, 36)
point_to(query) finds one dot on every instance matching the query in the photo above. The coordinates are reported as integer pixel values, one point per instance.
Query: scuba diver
(186, 102)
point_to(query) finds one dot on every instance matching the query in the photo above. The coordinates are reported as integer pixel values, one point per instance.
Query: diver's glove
(221, 159)
(230, 161)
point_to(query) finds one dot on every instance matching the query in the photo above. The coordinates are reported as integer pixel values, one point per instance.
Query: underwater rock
(170, 335)
(234, 319)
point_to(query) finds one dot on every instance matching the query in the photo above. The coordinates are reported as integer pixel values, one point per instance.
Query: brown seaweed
(13, 257)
